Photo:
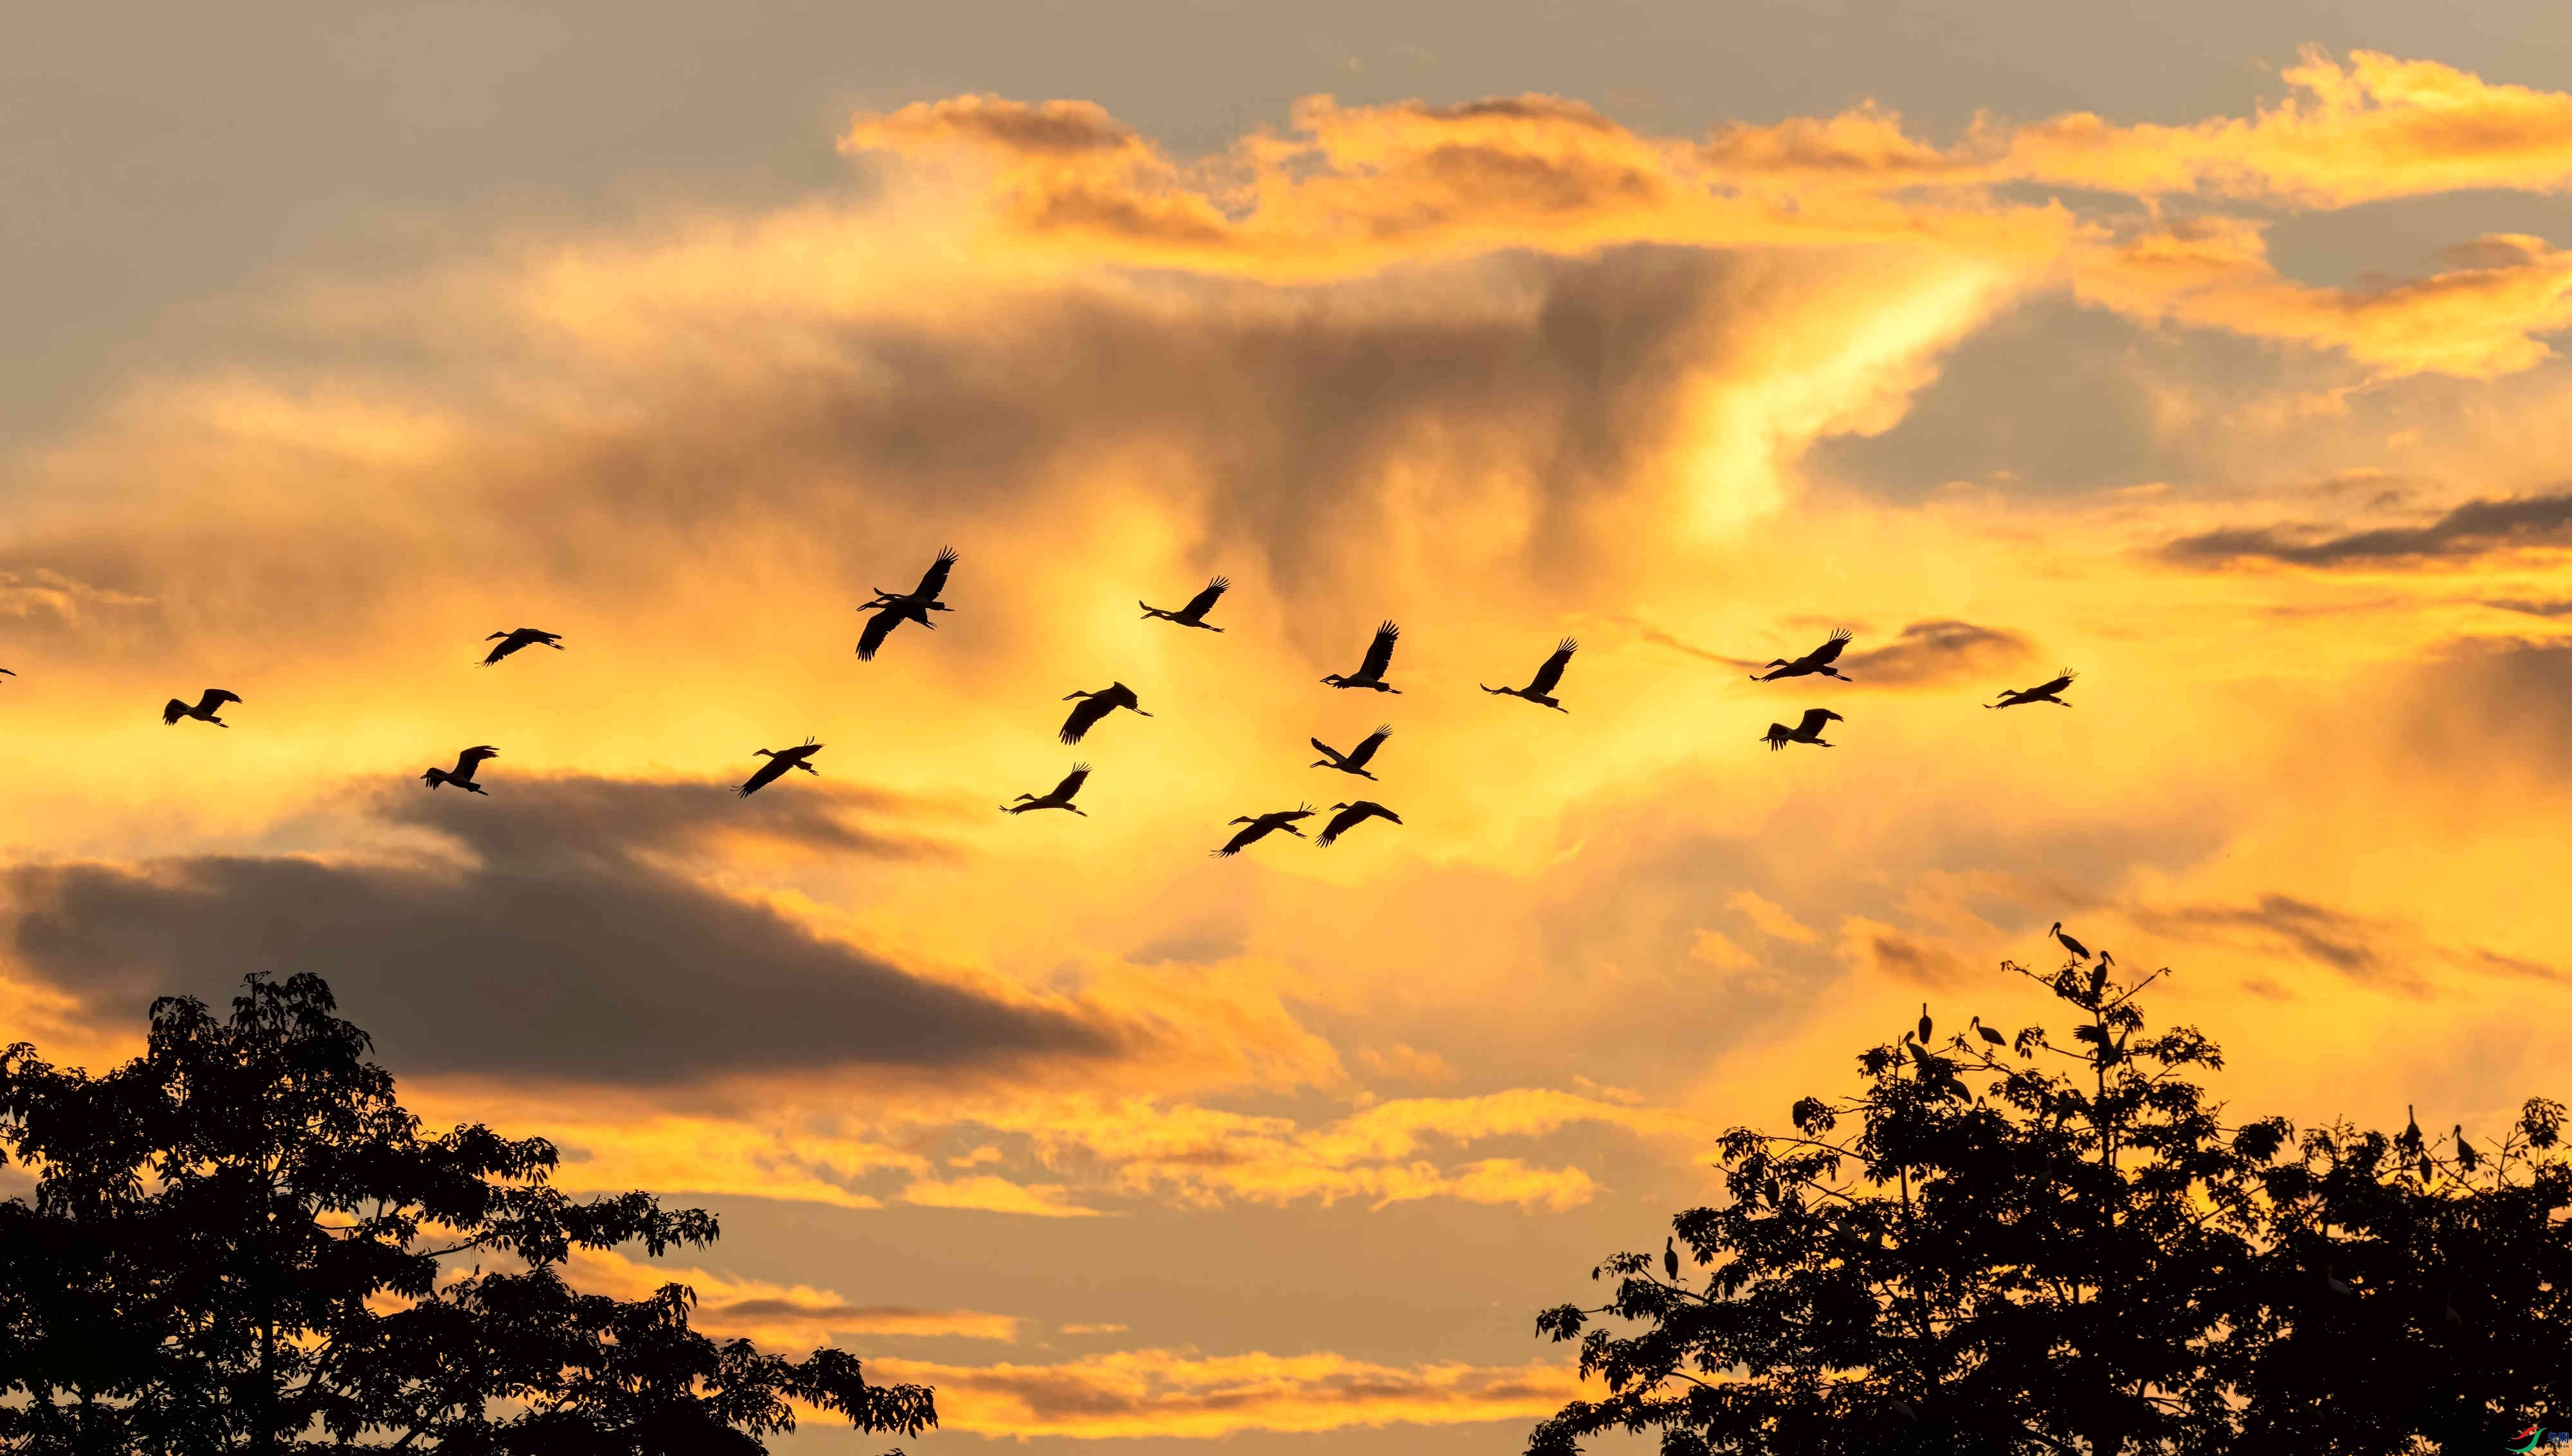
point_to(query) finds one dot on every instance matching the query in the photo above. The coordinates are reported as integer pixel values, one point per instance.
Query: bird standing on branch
(1538, 690)
(779, 760)
(2079, 951)
(523, 636)
(204, 711)
(1379, 656)
(1808, 731)
(1820, 660)
(1193, 613)
(462, 775)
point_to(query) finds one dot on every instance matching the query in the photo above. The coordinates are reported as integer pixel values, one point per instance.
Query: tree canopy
(2002, 1244)
(241, 1241)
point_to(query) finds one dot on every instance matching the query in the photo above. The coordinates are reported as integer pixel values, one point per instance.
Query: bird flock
(888, 610)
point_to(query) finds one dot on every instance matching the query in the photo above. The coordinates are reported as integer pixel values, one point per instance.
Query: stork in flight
(779, 760)
(462, 775)
(1539, 689)
(1355, 759)
(1350, 815)
(205, 710)
(924, 597)
(1261, 827)
(1820, 660)
(2041, 692)
(1807, 731)
(5, 672)
(1059, 798)
(889, 614)
(1379, 656)
(510, 642)
(1095, 706)
(1193, 613)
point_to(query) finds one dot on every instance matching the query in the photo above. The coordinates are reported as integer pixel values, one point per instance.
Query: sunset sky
(2208, 349)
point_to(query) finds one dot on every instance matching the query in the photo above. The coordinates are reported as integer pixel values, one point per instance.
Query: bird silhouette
(510, 642)
(205, 710)
(1808, 731)
(462, 775)
(1350, 815)
(1820, 660)
(2466, 1157)
(1193, 613)
(5, 672)
(779, 760)
(1059, 799)
(1987, 1034)
(931, 582)
(1262, 827)
(1355, 759)
(1924, 1022)
(1379, 656)
(1538, 690)
(2079, 951)
(1095, 706)
(889, 614)
(2040, 693)
(1670, 1258)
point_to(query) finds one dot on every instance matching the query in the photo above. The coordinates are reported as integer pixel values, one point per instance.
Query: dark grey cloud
(564, 942)
(2471, 528)
(2367, 949)
(1938, 652)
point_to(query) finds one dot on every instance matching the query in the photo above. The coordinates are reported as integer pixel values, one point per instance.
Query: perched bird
(2466, 1157)
(2098, 980)
(2336, 1285)
(889, 615)
(2079, 951)
(779, 760)
(931, 582)
(1095, 706)
(1262, 827)
(1059, 798)
(1669, 1256)
(1987, 1034)
(1924, 1022)
(462, 775)
(2040, 693)
(205, 710)
(2411, 1125)
(1193, 613)
(510, 642)
(1820, 660)
(1546, 677)
(1350, 815)
(1379, 656)
(1355, 759)
(1808, 731)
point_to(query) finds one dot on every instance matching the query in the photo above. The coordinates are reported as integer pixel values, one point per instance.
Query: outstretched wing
(1552, 671)
(1380, 651)
(1814, 719)
(1203, 602)
(1365, 748)
(767, 775)
(1251, 833)
(216, 698)
(933, 580)
(507, 646)
(2059, 684)
(1071, 784)
(1086, 713)
(879, 626)
(1777, 735)
(1340, 824)
(472, 759)
(174, 712)
(1829, 651)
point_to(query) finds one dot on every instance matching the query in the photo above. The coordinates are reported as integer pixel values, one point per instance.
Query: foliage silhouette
(239, 1241)
(2071, 1250)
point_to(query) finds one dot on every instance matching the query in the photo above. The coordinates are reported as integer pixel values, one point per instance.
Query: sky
(2208, 351)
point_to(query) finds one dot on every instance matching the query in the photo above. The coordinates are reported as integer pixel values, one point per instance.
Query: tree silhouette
(2069, 1251)
(241, 1241)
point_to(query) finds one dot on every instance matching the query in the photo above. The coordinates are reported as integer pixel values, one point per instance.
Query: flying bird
(1987, 1034)
(931, 582)
(205, 710)
(1808, 731)
(510, 642)
(1059, 798)
(1539, 689)
(1355, 759)
(5, 672)
(462, 775)
(1262, 827)
(2079, 951)
(1193, 613)
(889, 614)
(1095, 706)
(779, 760)
(1670, 1258)
(1820, 660)
(1350, 815)
(2040, 693)
(1379, 656)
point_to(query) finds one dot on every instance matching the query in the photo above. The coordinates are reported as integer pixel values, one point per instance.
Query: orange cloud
(793, 1317)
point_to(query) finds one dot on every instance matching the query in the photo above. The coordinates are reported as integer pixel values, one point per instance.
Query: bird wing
(934, 580)
(2056, 686)
(507, 646)
(471, 759)
(767, 775)
(216, 697)
(1365, 748)
(1829, 651)
(1086, 712)
(1257, 831)
(1814, 719)
(1341, 822)
(1552, 671)
(1381, 812)
(174, 712)
(1380, 651)
(1203, 602)
(879, 626)
(1071, 784)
